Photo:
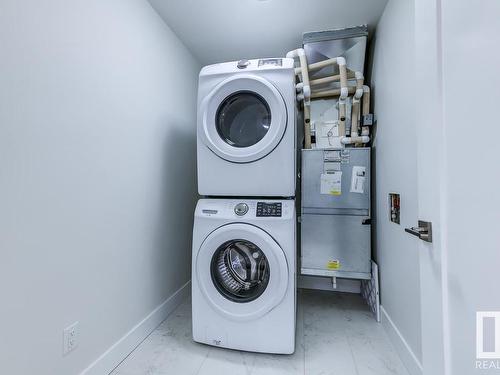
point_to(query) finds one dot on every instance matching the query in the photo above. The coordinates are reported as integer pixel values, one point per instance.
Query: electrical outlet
(70, 338)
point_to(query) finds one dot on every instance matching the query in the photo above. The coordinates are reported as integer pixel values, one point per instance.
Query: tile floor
(336, 335)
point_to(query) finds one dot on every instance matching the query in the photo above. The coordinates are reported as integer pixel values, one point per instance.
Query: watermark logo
(488, 340)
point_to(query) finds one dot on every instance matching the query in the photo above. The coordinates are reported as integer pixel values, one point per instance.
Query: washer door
(243, 118)
(241, 271)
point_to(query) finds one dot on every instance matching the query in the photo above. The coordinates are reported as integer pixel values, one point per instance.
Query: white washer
(246, 128)
(243, 274)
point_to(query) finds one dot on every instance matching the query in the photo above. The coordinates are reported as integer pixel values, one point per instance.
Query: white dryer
(243, 274)
(246, 128)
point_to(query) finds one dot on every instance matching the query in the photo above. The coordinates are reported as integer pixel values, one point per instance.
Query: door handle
(423, 231)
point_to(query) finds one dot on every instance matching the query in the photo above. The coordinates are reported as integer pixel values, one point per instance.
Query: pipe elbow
(366, 89)
(359, 75)
(352, 140)
(295, 53)
(299, 86)
(341, 61)
(344, 92)
(358, 94)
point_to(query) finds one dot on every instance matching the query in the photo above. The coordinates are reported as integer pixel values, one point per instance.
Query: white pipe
(343, 77)
(307, 126)
(353, 140)
(359, 85)
(354, 117)
(331, 93)
(340, 61)
(305, 96)
(304, 87)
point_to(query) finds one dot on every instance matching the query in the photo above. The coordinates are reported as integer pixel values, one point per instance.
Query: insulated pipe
(352, 140)
(343, 77)
(306, 89)
(359, 85)
(366, 100)
(323, 80)
(354, 117)
(331, 93)
(342, 114)
(340, 61)
(306, 93)
(355, 137)
(307, 126)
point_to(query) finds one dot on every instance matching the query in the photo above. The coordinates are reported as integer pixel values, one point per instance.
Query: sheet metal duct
(349, 43)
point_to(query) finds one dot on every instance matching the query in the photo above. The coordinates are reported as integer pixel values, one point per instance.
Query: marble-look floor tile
(336, 335)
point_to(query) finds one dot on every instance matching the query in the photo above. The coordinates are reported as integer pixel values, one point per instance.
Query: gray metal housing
(335, 229)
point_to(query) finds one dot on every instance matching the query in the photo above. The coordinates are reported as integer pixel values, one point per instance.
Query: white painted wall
(470, 44)
(395, 159)
(97, 175)
(227, 30)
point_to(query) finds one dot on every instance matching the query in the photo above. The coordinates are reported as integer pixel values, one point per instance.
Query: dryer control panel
(265, 209)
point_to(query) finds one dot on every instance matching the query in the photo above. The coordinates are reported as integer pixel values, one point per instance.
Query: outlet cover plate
(70, 338)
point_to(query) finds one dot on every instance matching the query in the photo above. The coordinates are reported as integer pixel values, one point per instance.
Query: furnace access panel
(335, 213)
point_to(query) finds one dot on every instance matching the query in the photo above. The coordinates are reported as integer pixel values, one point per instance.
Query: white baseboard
(123, 347)
(407, 356)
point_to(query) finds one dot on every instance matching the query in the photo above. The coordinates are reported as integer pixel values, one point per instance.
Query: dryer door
(243, 119)
(241, 271)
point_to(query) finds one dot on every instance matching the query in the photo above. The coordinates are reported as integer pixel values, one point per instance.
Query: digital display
(270, 62)
(268, 209)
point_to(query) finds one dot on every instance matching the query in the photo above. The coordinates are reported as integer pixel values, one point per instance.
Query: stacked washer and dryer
(244, 237)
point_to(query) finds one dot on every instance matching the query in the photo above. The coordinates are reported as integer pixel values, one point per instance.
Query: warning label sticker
(333, 264)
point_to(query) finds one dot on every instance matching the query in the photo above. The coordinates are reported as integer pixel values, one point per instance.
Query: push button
(242, 64)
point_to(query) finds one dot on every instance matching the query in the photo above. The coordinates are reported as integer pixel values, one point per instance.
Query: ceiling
(226, 30)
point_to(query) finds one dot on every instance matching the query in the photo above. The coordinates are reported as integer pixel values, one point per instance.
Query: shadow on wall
(177, 204)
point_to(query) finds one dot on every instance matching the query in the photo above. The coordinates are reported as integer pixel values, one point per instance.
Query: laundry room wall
(395, 161)
(97, 179)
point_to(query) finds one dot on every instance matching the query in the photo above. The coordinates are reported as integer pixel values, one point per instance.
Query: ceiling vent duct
(349, 43)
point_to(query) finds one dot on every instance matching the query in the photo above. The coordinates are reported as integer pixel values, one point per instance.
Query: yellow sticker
(333, 264)
(335, 192)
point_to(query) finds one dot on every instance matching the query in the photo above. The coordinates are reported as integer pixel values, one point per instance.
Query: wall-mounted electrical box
(394, 208)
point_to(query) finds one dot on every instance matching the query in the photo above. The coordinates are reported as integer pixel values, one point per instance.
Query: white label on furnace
(331, 183)
(358, 179)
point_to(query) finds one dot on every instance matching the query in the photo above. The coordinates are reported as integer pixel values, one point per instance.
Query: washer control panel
(265, 209)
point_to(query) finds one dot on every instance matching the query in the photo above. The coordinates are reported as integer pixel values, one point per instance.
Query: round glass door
(243, 119)
(240, 271)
